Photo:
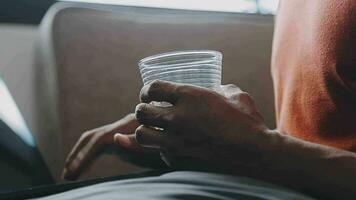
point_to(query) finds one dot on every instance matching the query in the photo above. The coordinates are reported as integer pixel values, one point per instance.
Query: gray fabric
(182, 186)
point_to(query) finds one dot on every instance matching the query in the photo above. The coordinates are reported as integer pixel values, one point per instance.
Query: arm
(318, 170)
(229, 133)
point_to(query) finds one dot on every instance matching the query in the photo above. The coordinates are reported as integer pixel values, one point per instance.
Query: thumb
(127, 141)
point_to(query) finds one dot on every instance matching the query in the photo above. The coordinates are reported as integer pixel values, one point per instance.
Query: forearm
(321, 170)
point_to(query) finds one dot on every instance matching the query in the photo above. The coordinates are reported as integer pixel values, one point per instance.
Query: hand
(94, 142)
(201, 123)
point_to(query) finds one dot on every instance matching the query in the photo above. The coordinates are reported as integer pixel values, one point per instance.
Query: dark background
(23, 11)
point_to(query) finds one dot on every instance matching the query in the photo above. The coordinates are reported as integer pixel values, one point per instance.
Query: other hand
(94, 142)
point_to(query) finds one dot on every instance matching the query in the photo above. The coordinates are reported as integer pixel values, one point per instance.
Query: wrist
(287, 154)
(267, 142)
(273, 148)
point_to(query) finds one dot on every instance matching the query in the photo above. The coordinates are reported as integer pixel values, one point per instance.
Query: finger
(127, 141)
(151, 115)
(84, 139)
(153, 138)
(159, 91)
(83, 159)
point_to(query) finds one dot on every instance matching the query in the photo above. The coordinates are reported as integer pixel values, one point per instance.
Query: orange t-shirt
(314, 71)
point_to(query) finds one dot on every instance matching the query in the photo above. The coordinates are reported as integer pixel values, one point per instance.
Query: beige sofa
(86, 66)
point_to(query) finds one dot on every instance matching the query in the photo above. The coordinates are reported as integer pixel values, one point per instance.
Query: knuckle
(139, 134)
(154, 84)
(140, 129)
(140, 111)
(244, 97)
(153, 87)
(149, 90)
(141, 107)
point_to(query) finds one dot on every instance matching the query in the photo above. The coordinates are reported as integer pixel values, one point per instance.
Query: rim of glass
(178, 79)
(216, 55)
(158, 72)
(159, 69)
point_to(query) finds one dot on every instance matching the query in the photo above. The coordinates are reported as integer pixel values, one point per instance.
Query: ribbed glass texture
(196, 67)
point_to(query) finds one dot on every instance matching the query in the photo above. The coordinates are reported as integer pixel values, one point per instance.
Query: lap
(46, 190)
(181, 185)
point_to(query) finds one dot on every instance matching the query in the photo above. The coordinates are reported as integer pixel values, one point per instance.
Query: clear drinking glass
(196, 67)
